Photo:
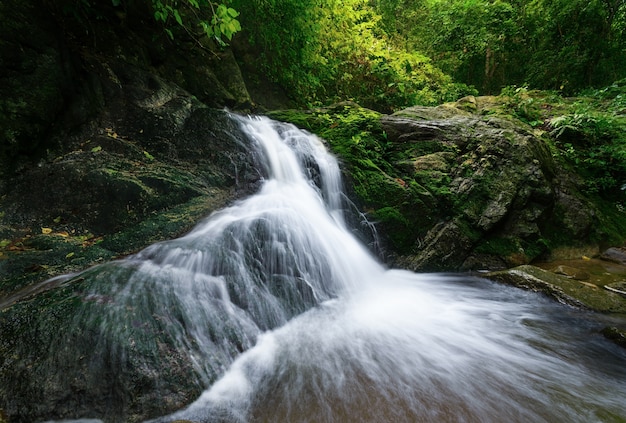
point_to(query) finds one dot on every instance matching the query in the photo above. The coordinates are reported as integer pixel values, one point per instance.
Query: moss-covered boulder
(145, 168)
(455, 187)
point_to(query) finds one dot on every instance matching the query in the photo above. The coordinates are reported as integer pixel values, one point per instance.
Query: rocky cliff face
(102, 152)
(110, 136)
(458, 190)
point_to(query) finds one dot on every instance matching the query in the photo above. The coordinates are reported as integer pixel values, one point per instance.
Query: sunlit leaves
(215, 20)
(331, 50)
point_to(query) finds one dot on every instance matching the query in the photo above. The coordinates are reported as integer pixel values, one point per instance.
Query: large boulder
(146, 166)
(106, 129)
(456, 188)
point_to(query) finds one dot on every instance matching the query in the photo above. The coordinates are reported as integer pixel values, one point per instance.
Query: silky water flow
(277, 300)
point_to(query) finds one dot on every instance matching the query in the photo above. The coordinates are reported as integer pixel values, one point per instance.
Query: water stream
(296, 319)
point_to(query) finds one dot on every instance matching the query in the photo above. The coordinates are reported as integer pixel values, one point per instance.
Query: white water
(376, 345)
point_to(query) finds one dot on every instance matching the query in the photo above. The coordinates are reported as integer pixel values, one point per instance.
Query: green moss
(396, 224)
(612, 228)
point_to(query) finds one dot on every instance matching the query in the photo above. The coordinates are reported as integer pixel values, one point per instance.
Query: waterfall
(253, 266)
(276, 299)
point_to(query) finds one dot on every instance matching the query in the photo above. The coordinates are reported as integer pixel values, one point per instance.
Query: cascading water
(319, 331)
(250, 267)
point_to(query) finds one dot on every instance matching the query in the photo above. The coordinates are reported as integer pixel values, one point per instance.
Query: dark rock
(615, 255)
(616, 335)
(501, 183)
(101, 154)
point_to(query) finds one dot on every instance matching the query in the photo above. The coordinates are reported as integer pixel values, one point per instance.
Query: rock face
(511, 201)
(500, 182)
(102, 152)
(105, 132)
(452, 189)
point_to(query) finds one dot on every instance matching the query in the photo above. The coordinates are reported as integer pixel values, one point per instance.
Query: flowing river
(278, 301)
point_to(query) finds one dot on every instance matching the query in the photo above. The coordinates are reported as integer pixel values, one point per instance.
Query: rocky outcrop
(107, 129)
(453, 189)
(564, 284)
(501, 186)
(103, 151)
(512, 200)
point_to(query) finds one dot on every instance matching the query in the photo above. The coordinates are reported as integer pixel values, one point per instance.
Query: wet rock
(616, 335)
(535, 279)
(615, 255)
(571, 272)
(561, 288)
(618, 288)
(500, 183)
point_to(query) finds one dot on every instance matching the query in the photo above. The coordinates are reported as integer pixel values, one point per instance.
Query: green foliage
(468, 39)
(594, 141)
(577, 43)
(216, 20)
(523, 106)
(330, 50)
(190, 13)
(222, 22)
(548, 44)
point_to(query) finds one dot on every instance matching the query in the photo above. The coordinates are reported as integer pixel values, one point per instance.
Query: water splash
(252, 266)
(424, 348)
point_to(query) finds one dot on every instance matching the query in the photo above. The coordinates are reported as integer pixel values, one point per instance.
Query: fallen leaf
(46, 231)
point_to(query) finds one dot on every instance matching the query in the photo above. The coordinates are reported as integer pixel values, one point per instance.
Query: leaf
(222, 10)
(4, 243)
(169, 33)
(64, 234)
(179, 20)
(148, 155)
(46, 231)
(232, 12)
(96, 149)
(69, 255)
(57, 219)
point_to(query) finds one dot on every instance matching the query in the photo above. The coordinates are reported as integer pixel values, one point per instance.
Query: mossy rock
(483, 177)
(563, 289)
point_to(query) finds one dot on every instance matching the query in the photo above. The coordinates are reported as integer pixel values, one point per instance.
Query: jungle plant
(221, 21)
